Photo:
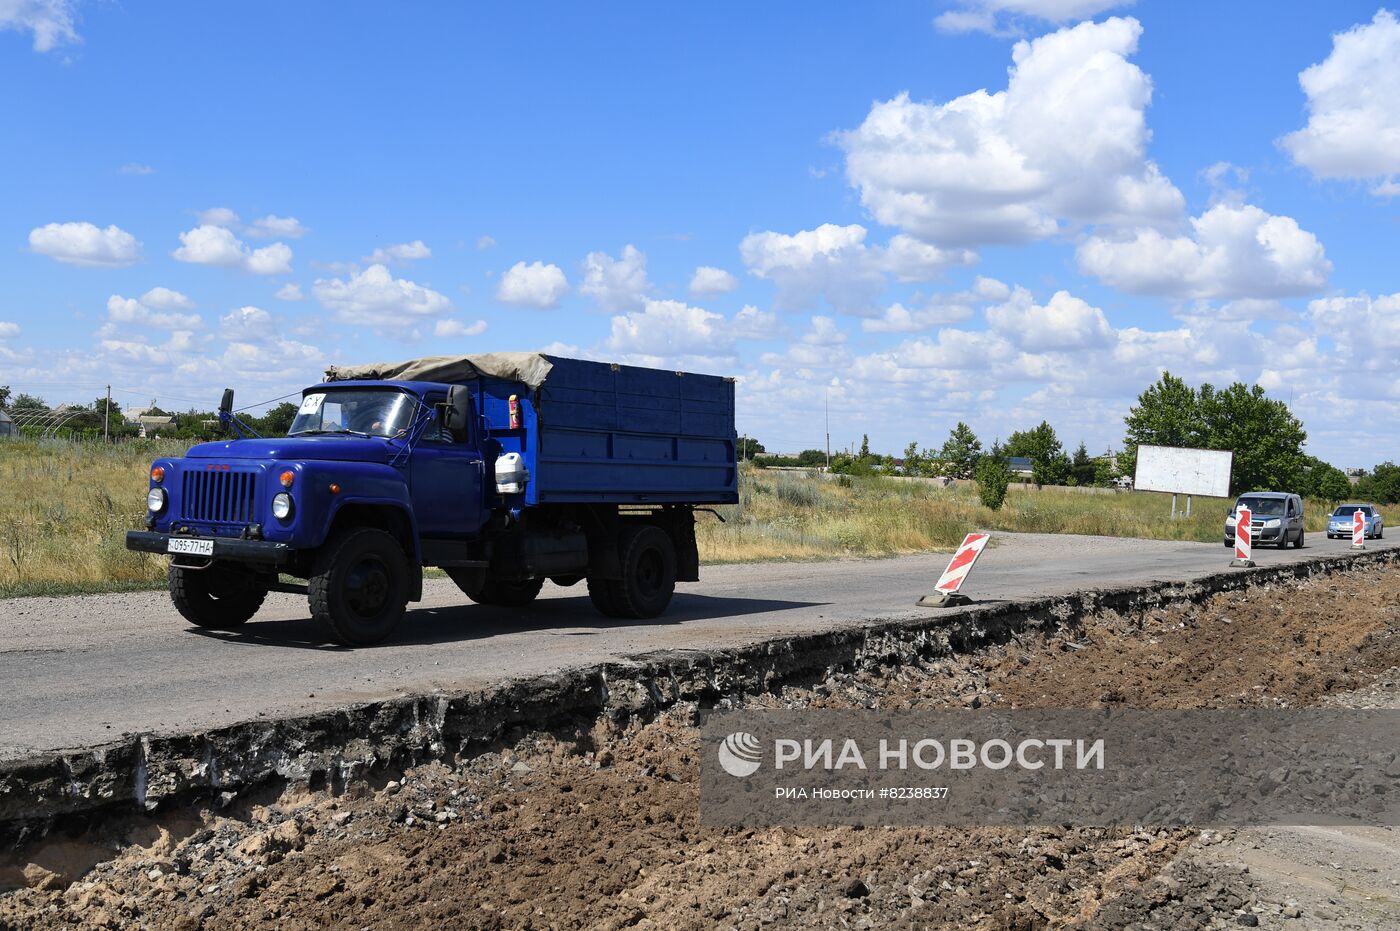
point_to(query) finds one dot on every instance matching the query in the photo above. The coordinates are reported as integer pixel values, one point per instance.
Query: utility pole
(107, 417)
(828, 428)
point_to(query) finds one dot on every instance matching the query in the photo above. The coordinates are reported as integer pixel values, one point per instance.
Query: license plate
(190, 546)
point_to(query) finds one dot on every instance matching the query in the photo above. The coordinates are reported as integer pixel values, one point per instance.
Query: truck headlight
(1272, 523)
(282, 506)
(156, 500)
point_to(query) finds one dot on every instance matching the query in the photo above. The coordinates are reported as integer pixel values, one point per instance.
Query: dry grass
(795, 515)
(66, 508)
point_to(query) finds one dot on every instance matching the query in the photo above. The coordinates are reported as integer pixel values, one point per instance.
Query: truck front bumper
(233, 549)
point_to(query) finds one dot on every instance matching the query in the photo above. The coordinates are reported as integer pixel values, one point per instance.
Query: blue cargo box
(598, 432)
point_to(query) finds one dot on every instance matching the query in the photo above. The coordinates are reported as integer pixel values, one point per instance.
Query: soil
(600, 828)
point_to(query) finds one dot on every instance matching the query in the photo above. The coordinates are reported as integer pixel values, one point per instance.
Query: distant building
(148, 424)
(7, 424)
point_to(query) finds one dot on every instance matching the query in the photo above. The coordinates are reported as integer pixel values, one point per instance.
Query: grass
(65, 508)
(793, 515)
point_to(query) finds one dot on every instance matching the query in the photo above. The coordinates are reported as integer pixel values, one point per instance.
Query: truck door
(445, 476)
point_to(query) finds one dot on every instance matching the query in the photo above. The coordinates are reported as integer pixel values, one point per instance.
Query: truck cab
(378, 478)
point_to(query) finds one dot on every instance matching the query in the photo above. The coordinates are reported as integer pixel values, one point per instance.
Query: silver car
(1276, 518)
(1339, 522)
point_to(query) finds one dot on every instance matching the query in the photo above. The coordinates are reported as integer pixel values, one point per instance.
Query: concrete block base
(1242, 564)
(942, 600)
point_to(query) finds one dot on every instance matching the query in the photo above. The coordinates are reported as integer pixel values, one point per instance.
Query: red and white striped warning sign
(961, 564)
(1358, 529)
(1243, 535)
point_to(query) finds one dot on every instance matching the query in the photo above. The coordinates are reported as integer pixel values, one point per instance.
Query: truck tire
(600, 592)
(648, 573)
(215, 598)
(507, 594)
(359, 586)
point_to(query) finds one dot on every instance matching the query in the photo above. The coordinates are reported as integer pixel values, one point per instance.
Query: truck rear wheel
(507, 594)
(217, 598)
(359, 586)
(600, 592)
(648, 573)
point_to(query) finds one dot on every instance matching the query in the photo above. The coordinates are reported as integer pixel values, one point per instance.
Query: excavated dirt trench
(593, 823)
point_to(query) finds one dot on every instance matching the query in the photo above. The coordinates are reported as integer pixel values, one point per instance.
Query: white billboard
(1204, 472)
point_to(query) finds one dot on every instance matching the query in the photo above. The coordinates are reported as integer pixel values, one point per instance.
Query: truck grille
(219, 497)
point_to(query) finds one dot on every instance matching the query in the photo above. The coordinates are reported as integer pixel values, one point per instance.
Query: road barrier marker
(1244, 539)
(1358, 530)
(946, 594)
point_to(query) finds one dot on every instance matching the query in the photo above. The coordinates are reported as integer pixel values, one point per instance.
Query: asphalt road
(81, 671)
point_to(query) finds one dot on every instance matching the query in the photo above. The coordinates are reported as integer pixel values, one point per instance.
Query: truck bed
(597, 432)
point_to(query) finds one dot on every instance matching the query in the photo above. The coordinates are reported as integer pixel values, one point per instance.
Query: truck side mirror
(226, 405)
(458, 410)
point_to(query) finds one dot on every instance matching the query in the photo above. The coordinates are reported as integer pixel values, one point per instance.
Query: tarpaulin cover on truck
(532, 368)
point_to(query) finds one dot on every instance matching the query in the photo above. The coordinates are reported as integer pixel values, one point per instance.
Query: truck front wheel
(359, 586)
(648, 573)
(216, 598)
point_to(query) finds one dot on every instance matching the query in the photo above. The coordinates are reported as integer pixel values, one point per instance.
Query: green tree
(1334, 485)
(960, 452)
(1082, 468)
(811, 457)
(993, 477)
(1382, 485)
(1049, 464)
(1266, 438)
(278, 420)
(1166, 414)
(864, 454)
(4, 397)
(914, 463)
(28, 402)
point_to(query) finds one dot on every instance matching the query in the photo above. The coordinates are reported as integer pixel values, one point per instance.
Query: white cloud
(752, 323)
(833, 262)
(166, 299)
(455, 328)
(136, 168)
(1233, 251)
(374, 297)
(217, 216)
(291, 291)
(1065, 322)
(51, 21)
(1353, 96)
(616, 284)
(710, 280)
(246, 324)
(133, 314)
(534, 285)
(85, 244)
(269, 226)
(217, 245)
(670, 330)
(485, 242)
(897, 318)
(8, 330)
(1066, 140)
(275, 259)
(401, 252)
(986, 15)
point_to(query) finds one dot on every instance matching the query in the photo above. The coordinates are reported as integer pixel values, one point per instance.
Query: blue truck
(502, 469)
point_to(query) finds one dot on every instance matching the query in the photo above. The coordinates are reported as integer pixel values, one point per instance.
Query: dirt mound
(600, 828)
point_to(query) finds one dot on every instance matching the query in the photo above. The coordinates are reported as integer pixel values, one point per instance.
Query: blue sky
(989, 210)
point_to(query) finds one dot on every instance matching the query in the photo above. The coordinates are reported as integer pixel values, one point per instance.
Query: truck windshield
(365, 411)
